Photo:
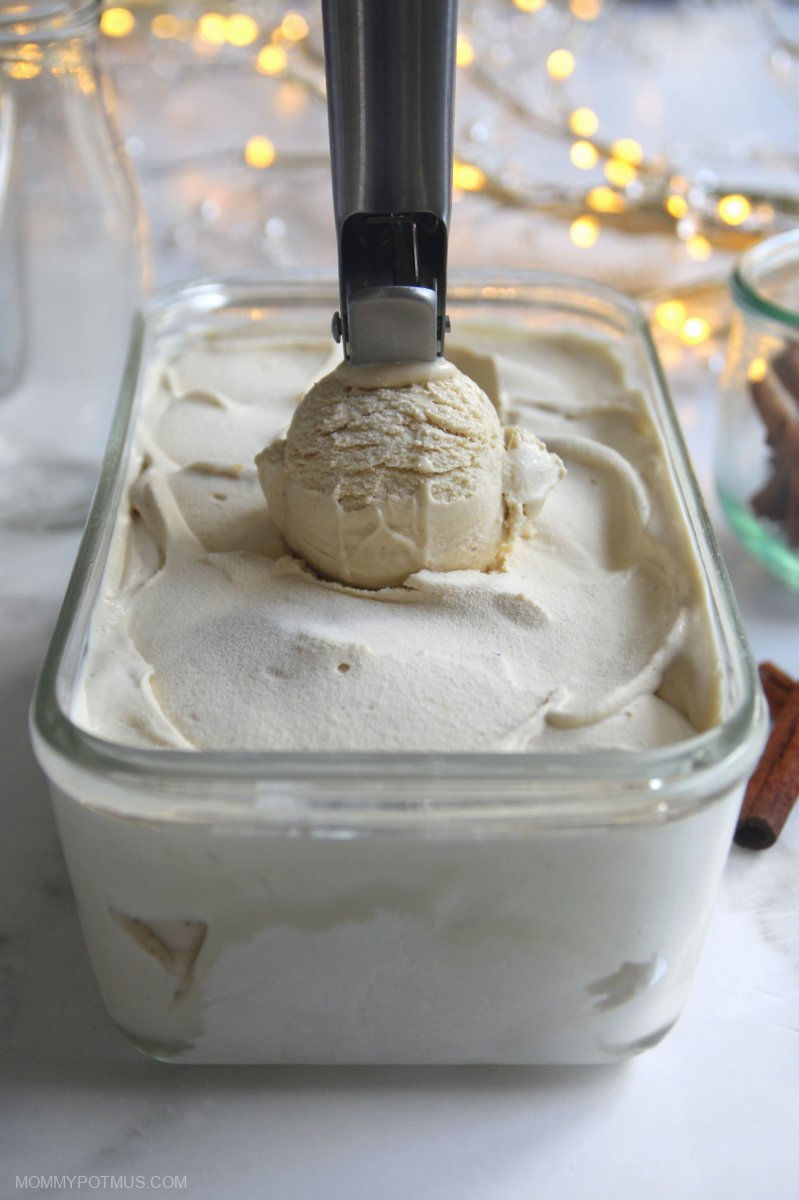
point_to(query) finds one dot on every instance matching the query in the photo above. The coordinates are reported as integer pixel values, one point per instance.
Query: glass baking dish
(247, 907)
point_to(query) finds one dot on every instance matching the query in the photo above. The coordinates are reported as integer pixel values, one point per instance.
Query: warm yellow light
(584, 231)
(530, 5)
(585, 10)
(271, 60)
(604, 199)
(758, 369)
(695, 330)
(24, 69)
(117, 22)
(670, 314)
(86, 81)
(241, 29)
(620, 173)
(583, 155)
(212, 28)
(734, 209)
(498, 293)
(292, 99)
(464, 51)
(560, 64)
(467, 176)
(698, 247)
(294, 27)
(165, 25)
(628, 150)
(259, 152)
(676, 206)
(30, 52)
(583, 122)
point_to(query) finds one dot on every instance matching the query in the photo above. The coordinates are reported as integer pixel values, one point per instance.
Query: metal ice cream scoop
(390, 77)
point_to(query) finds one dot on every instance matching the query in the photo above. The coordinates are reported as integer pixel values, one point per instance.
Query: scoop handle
(390, 77)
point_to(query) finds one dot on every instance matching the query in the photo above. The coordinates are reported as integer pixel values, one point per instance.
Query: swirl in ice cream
(591, 631)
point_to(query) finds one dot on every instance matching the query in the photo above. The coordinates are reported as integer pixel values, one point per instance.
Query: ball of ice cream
(382, 474)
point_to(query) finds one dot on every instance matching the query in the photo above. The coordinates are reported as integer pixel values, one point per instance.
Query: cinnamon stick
(776, 685)
(773, 408)
(774, 786)
(776, 398)
(786, 368)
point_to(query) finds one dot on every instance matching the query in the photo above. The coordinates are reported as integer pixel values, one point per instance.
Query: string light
(212, 28)
(259, 152)
(620, 173)
(467, 177)
(605, 200)
(628, 150)
(292, 99)
(698, 248)
(670, 315)
(584, 155)
(584, 232)
(758, 368)
(165, 25)
(583, 122)
(294, 27)
(117, 22)
(676, 206)
(585, 10)
(271, 60)
(734, 209)
(464, 51)
(241, 29)
(694, 330)
(560, 64)
(658, 190)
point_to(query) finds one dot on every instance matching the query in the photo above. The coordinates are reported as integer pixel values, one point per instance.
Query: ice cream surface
(591, 632)
(391, 470)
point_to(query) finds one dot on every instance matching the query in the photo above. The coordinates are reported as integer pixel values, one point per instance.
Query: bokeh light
(259, 152)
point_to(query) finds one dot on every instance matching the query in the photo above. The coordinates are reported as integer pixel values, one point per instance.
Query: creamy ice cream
(386, 471)
(591, 631)
(493, 908)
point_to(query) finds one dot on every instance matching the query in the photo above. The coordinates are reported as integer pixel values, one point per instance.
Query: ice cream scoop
(395, 461)
(386, 471)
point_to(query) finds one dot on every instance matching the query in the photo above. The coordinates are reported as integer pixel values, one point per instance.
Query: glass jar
(757, 451)
(71, 253)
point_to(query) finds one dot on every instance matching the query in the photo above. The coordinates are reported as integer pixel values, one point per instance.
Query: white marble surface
(708, 1115)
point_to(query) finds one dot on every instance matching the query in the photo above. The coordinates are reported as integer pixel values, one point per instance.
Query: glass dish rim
(745, 291)
(669, 775)
(50, 21)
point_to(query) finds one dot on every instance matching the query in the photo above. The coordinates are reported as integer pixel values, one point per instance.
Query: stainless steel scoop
(390, 76)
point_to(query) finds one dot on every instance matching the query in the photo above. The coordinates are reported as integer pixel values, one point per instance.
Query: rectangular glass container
(395, 908)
